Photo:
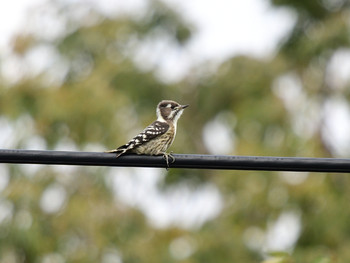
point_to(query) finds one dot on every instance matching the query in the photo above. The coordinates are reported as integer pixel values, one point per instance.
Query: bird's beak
(184, 106)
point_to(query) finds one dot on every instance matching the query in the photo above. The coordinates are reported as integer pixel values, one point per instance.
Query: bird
(157, 137)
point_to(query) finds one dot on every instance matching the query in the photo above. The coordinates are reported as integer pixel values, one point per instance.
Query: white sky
(225, 27)
(12, 14)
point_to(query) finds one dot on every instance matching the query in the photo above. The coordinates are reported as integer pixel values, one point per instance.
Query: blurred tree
(95, 93)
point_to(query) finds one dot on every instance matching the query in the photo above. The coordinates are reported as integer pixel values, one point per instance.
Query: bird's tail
(112, 151)
(118, 151)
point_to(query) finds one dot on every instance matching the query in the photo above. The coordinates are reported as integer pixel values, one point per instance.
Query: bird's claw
(166, 157)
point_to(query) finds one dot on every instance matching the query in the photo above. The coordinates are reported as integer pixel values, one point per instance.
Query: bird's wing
(152, 131)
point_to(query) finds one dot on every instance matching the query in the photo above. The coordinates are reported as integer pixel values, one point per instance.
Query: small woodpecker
(156, 138)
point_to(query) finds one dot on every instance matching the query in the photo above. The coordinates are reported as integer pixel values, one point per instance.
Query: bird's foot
(166, 156)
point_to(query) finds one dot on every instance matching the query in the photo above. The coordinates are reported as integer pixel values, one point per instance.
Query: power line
(194, 161)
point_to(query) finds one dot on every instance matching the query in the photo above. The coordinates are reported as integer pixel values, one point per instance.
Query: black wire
(194, 161)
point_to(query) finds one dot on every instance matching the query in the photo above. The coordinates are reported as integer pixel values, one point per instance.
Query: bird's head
(168, 110)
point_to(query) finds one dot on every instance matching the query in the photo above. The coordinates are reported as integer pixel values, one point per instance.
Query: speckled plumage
(158, 146)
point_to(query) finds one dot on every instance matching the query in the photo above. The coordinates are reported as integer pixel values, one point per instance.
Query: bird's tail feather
(113, 151)
(117, 151)
(120, 152)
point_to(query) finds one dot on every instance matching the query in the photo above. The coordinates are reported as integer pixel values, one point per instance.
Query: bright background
(278, 99)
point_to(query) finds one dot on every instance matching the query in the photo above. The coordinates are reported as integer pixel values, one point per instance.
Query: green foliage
(278, 257)
(104, 97)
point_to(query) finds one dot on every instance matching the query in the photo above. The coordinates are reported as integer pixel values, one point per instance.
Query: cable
(194, 161)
